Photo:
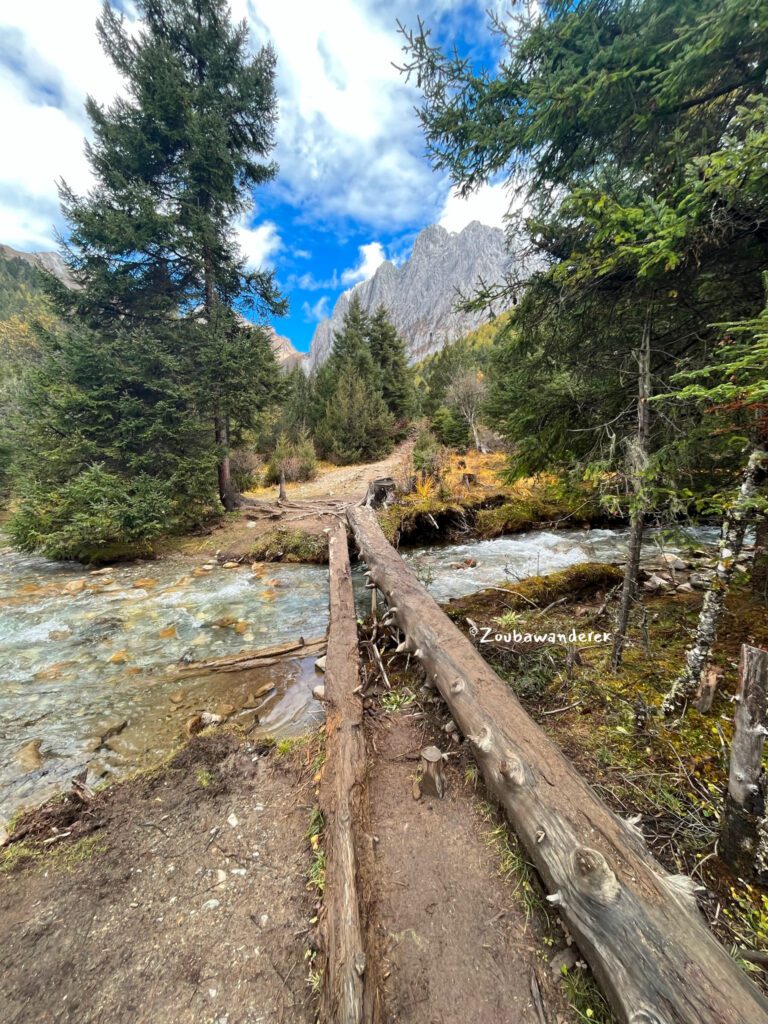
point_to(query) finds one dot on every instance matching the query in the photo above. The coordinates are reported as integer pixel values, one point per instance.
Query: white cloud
(319, 311)
(258, 244)
(349, 144)
(371, 257)
(488, 204)
(56, 60)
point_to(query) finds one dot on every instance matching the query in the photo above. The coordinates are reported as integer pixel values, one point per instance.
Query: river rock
(655, 583)
(144, 583)
(118, 658)
(29, 756)
(74, 587)
(320, 663)
(202, 721)
(673, 561)
(319, 693)
(699, 581)
(231, 565)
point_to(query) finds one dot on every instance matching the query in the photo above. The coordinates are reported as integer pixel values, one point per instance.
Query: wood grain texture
(637, 926)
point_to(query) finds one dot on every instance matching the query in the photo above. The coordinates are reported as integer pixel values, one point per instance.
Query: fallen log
(259, 657)
(637, 926)
(344, 1000)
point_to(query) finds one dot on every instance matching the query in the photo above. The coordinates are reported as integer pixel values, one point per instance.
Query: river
(85, 653)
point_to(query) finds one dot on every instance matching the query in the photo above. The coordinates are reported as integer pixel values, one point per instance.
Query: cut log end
(433, 777)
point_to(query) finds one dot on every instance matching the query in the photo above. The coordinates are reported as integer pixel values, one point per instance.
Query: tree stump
(433, 779)
(380, 492)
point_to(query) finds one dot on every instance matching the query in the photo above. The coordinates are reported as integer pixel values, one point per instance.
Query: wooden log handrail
(637, 926)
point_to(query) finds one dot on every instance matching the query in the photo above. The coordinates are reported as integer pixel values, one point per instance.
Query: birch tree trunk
(760, 562)
(638, 460)
(744, 839)
(735, 523)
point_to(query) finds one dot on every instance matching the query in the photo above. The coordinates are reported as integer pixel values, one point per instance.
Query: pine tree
(388, 351)
(109, 454)
(175, 162)
(352, 422)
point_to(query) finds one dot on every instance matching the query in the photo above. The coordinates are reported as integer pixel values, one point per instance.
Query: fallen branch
(257, 658)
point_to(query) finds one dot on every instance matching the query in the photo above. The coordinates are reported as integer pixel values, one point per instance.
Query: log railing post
(637, 926)
(744, 840)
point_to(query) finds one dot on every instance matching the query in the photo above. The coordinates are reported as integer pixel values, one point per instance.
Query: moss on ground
(284, 545)
(486, 508)
(673, 772)
(574, 583)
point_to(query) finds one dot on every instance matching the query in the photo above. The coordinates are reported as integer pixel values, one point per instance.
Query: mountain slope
(420, 295)
(287, 356)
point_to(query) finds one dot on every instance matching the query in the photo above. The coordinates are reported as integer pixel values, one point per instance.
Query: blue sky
(354, 185)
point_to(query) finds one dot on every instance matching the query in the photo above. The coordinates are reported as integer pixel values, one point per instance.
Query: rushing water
(445, 572)
(83, 654)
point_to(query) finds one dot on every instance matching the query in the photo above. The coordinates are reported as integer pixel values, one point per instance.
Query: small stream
(85, 653)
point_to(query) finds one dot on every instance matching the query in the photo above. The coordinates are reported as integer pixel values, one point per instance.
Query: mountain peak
(420, 295)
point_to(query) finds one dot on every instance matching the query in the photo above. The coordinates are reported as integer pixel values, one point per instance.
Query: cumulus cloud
(488, 204)
(50, 59)
(258, 243)
(318, 311)
(371, 257)
(349, 145)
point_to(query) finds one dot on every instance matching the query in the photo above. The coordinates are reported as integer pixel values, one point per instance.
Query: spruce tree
(175, 162)
(353, 421)
(388, 351)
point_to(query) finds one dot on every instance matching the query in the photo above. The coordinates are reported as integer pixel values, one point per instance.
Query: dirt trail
(456, 944)
(189, 903)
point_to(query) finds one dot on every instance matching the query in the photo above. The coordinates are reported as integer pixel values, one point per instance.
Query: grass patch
(67, 856)
(284, 545)
(514, 868)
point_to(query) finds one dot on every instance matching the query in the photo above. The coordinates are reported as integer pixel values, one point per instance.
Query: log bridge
(637, 926)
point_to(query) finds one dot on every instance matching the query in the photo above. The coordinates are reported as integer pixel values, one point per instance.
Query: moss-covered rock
(283, 545)
(575, 582)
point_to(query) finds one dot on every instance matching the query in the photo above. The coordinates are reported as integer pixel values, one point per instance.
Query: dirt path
(456, 943)
(189, 904)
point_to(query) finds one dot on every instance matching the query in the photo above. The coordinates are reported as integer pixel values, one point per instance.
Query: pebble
(232, 820)
(210, 905)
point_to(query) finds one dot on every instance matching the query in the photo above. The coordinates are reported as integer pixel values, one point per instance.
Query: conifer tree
(175, 162)
(388, 351)
(354, 422)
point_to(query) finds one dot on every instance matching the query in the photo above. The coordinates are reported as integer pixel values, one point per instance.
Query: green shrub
(297, 458)
(450, 429)
(429, 456)
(96, 516)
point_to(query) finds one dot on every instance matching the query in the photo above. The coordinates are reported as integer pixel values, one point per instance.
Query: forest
(616, 389)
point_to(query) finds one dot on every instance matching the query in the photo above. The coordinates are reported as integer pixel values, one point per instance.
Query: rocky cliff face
(420, 295)
(287, 356)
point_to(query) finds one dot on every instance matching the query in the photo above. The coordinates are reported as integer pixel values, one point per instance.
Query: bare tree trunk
(760, 561)
(744, 839)
(281, 495)
(638, 927)
(638, 459)
(228, 493)
(735, 523)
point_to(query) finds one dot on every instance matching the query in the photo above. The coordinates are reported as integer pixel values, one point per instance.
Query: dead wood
(348, 971)
(638, 927)
(257, 658)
